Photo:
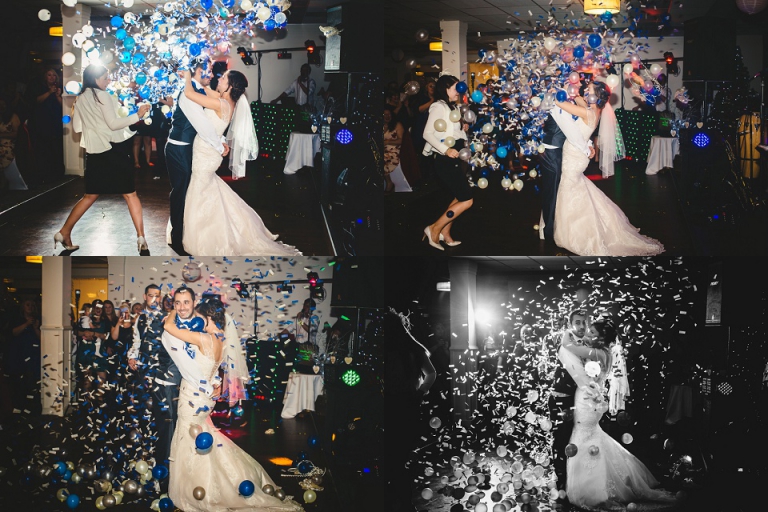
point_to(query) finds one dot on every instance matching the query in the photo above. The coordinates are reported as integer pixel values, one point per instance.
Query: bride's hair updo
(237, 84)
(602, 93)
(213, 309)
(607, 331)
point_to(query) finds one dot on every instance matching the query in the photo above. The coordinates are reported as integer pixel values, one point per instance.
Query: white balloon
(165, 109)
(627, 69)
(263, 13)
(73, 87)
(88, 45)
(78, 39)
(70, 3)
(246, 5)
(129, 18)
(454, 116)
(87, 30)
(202, 22)
(127, 4)
(532, 173)
(517, 184)
(550, 43)
(506, 183)
(482, 183)
(535, 102)
(612, 81)
(44, 14)
(655, 69)
(122, 112)
(68, 59)
(487, 128)
(449, 141)
(440, 125)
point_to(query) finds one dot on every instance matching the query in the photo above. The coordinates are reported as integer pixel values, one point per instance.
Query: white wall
(128, 276)
(277, 75)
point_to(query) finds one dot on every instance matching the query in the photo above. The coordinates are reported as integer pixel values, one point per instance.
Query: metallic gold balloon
(62, 494)
(268, 489)
(100, 503)
(195, 430)
(130, 486)
(109, 501)
(198, 493)
(118, 497)
(76, 478)
(108, 476)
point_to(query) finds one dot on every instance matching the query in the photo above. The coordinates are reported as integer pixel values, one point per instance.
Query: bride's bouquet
(595, 391)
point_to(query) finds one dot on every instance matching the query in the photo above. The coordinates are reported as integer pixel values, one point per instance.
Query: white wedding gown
(611, 477)
(220, 471)
(587, 223)
(217, 222)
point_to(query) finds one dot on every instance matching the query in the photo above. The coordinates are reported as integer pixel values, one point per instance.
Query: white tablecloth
(301, 393)
(302, 148)
(662, 153)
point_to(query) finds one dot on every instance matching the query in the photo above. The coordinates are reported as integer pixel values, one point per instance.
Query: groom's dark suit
(178, 157)
(550, 168)
(561, 414)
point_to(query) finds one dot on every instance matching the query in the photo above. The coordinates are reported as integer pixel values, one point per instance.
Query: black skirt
(451, 172)
(110, 172)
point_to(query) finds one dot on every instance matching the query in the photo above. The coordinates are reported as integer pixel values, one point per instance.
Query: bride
(220, 471)
(217, 222)
(602, 475)
(587, 223)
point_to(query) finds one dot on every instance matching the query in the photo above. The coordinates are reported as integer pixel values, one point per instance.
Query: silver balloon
(81, 470)
(198, 492)
(130, 487)
(268, 489)
(464, 154)
(90, 473)
(463, 108)
(195, 430)
(412, 88)
(470, 116)
(141, 491)
(280, 494)
(108, 476)
(109, 501)
(318, 479)
(422, 35)
(411, 63)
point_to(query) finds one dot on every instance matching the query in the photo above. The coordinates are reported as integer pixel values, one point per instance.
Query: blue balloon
(66, 119)
(116, 21)
(282, 25)
(655, 91)
(606, 17)
(197, 323)
(141, 78)
(246, 488)
(228, 3)
(144, 92)
(121, 33)
(313, 441)
(125, 56)
(578, 52)
(139, 59)
(594, 41)
(305, 466)
(302, 456)
(481, 53)
(477, 96)
(166, 504)
(206, 4)
(484, 173)
(160, 472)
(61, 467)
(275, 9)
(511, 65)
(238, 411)
(461, 87)
(129, 43)
(204, 441)
(73, 500)
(194, 49)
(270, 24)
(501, 152)
(67, 475)
(561, 96)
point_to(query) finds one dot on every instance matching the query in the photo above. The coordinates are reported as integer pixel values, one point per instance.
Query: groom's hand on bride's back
(226, 149)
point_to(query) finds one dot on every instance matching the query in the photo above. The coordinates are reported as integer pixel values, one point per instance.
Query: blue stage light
(344, 136)
(701, 140)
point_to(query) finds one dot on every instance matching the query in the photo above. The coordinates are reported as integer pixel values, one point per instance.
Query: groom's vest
(157, 361)
(553, 135)
(181, 129)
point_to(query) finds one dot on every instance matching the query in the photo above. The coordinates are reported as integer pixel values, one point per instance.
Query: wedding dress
(220, 471)
(217, 222)
(603, 475)
(587, 223)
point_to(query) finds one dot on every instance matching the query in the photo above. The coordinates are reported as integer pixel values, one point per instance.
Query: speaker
(709, 49)
(356, 47)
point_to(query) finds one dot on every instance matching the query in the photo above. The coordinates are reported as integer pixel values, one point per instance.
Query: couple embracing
(599, 474)
(207, 217)
(188, 347)
(576, 214)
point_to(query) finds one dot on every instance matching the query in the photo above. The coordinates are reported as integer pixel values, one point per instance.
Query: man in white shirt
(188, 121)
(302, 89)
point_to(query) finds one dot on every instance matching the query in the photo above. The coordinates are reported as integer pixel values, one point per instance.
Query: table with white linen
(301, 393)
(302, 148)
(662, 153)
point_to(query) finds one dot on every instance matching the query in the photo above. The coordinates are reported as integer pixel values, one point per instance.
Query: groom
(188, 120)
(551, 163)
(561, 401)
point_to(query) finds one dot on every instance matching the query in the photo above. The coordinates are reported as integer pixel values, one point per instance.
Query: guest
(107, 162)
(447, 164)
(143, 136)
(22, 357)
(393, 139)
(159, 130)
(9, 131)
(46, 127)
(302, 90)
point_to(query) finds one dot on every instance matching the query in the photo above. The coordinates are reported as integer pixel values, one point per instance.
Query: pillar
(454, 35)
(56, 335)
(73, 20)
(463, 301)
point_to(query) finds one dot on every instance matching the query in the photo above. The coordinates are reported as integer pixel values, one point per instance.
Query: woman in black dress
(445, 136)
(106, 139)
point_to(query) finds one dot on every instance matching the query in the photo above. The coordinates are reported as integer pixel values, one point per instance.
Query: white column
(56, 334)
(454, 48)
(463, 301)
(74, 19)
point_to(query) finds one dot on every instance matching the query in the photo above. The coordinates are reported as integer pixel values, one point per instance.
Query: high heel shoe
(58, 238)
(142, 243)
(449, 244)
(428, 236)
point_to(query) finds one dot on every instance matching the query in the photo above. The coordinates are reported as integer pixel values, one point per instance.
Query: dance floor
(288, 204)
(501, 222)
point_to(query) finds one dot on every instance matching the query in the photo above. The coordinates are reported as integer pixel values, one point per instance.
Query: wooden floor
(288, 204)
(502, 222)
